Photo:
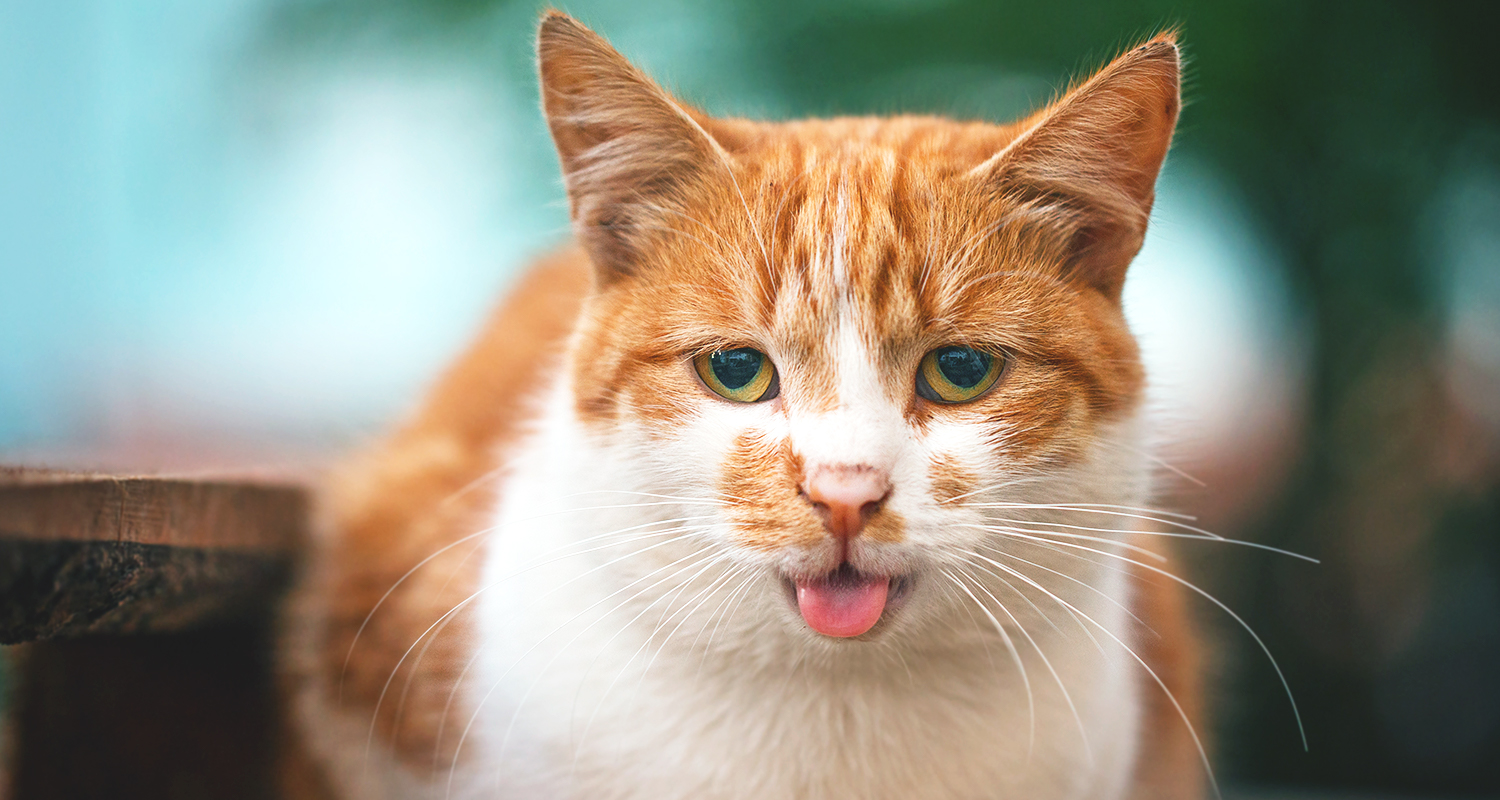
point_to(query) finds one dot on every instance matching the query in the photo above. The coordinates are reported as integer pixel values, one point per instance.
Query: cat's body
(582, 572)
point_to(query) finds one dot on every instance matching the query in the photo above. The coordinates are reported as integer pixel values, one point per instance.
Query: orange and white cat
(807, 473)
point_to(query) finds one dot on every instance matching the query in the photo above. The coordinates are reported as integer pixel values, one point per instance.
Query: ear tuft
(1090, 160)
(626, 145)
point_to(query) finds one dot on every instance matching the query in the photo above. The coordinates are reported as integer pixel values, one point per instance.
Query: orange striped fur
(845, 250)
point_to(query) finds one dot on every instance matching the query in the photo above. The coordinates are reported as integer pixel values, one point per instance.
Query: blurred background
(250, 231)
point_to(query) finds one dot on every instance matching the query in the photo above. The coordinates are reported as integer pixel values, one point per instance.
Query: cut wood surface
(255, 514)
(88, 553)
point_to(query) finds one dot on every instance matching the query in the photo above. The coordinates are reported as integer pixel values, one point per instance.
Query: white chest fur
(621, 656)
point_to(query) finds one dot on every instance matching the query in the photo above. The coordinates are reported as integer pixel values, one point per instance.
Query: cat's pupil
(965, 367)
(735, 368)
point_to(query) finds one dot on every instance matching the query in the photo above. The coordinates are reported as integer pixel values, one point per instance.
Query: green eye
(743, 374)
(957, 374)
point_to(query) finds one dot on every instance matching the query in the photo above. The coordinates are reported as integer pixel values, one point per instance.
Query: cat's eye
(956, 374)
(744, 374)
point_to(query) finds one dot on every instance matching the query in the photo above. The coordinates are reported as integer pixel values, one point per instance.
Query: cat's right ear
(628, 149)
(1088, 164)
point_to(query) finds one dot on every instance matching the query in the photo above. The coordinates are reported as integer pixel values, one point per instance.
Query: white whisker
(1285, 685)
(1067, 696)
(1015, 656)
(480, 705)
(1192, 731)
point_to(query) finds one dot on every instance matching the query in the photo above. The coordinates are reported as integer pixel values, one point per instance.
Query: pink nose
(846, 496)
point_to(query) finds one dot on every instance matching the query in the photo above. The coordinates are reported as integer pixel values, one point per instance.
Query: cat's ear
(1088, 163)
(628, 148)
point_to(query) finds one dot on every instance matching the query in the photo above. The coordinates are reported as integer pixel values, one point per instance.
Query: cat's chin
(847, 603)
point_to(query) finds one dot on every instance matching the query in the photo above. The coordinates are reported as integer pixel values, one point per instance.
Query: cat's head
(857, 338)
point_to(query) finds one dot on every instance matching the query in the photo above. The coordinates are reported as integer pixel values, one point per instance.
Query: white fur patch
(596, 676)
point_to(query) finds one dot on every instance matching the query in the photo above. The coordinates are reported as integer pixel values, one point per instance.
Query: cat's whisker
(1042, 475)
(714, 616)
(667, 613)
(1181, 712)
(1154, 514)
(447, 706)
(670, 598)
(1193, 533)
(1085, 584)
(670, 611)
(687, 614)
(1038, 535)
(1095, 529)
(625, 535)
(728, 615)
(468, 727)
(980, 557)
(1047, 546)
(1045, 617)
(442, 622)
(990, 488)
(484, 478)
(417, 663)
(980, 627)
(718, 496)
(1067, 696)
(1157, 460)
(1146, 515)
(1177, 535)
(705, 560)
(1265, 650)
(1015, 656)
(344, 671)
(686, 532)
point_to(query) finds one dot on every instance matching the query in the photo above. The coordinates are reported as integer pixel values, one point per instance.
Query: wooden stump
(143, 610)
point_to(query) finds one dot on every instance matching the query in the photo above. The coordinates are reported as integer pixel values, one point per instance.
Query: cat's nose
(846, 496)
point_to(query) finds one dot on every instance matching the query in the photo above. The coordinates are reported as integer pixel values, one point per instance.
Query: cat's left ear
(629, 150)
(1088, 163)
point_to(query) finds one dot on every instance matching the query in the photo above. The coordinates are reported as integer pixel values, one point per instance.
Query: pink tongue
(842, 607)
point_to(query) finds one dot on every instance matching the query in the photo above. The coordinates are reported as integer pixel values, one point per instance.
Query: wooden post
(143, 611)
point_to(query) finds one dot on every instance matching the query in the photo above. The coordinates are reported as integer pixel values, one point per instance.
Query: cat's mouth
(846, 602)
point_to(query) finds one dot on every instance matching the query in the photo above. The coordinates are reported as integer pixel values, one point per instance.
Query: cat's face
(853, 337)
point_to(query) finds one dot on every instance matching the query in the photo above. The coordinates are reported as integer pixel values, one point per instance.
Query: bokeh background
(249, 231)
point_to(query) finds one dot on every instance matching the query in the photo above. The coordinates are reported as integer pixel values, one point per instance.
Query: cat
(808, 471)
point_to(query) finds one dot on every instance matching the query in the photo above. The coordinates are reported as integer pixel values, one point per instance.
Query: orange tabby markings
(950, 481)
(759, 483)
(846, 250)
(1169, 761)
